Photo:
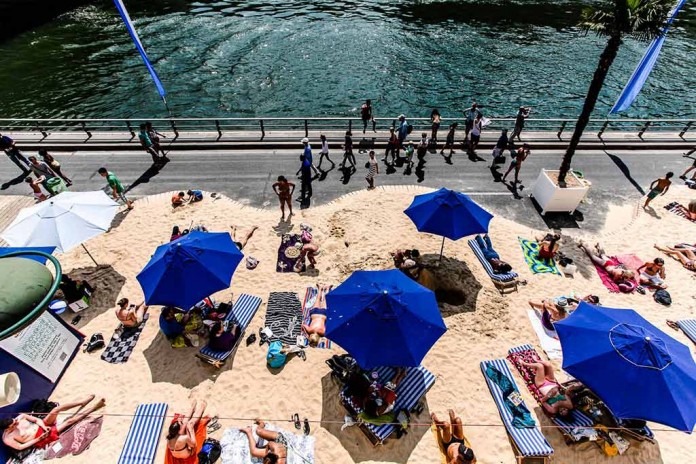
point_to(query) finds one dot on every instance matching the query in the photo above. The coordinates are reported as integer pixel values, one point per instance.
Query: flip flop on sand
(296, 420)
(673, 325)
(306, 426)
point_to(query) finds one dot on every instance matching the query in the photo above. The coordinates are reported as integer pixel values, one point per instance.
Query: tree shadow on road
(625, 171)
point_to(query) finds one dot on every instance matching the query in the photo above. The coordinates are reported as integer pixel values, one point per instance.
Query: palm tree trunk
(605, 61)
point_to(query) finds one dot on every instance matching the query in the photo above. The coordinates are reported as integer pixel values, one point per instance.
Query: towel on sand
(547, 338)
(123, 343)
(235, 447)
(76, 439)
(307, 304)
(632, 262)
(284, 317)
(201, 435)
(288, 253)
(530, 250)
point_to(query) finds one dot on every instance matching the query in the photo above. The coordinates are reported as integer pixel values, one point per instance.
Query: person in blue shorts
(194, 196)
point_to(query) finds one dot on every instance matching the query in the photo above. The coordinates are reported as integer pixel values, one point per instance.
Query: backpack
(662, 296)
(274, 358)
(96, 341)
(210, 451)
(409, 128)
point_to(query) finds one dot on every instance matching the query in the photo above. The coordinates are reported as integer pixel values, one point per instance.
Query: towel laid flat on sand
(630, 261)
(123, 343)
(201, 435)
(284, 317)
(530, 250)
(235, 447)
(288, 253)
(547, 338)
(76, 439)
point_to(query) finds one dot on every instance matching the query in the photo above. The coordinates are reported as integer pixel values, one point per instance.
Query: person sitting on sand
(181, 437)
(492, 256)
(686, 256)
(653, 274)
(130, 315)
(317, 322)
(194, 196)
(548, 246)
(451, 435)
(554, 399)
(222, 336)
(409, 262)
(25, 431)
(246, 238)
(176, 233)
(178, 199)
(309, 248)
(618, 272)
(382, 398)
(275, 451)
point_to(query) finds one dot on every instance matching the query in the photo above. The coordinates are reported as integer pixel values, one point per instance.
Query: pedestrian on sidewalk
(10, 148)
(449, 141)
(305, 183)
(54, 164)
(500, 146)
(366, 115)
(522, 114)
(470, 116)
(284, 190)
(422, 148)
(147, 144)
(435, 121)
(117, 190)
(476, 130)
(518, 158)
(324, 152)
(42, 171)
(34, 184)
(348, 153)
(155, 138)
(372, 171)
(658, 187)
(690, 168)
(404, 129)
(392, 144)
(306, 157)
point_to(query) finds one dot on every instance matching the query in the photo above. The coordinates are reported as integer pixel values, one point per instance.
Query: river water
(319, 58)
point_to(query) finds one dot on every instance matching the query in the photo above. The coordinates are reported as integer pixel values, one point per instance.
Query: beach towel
(144, 434)
(284, 317)
(679, 210)
(76, 439)
(288, 253)
(547, 338)
(235, 447)
(530, 250)
(307, 304)
(35, 457)
(123, 343)
(201, 435)
(522, 418)
(630, 261)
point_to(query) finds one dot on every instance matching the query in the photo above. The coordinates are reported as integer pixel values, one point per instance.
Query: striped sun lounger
(409, 392)
(307, 304)
(500, 280)
(529, 442)
(144, 434)
(242, 313)
(688, 326)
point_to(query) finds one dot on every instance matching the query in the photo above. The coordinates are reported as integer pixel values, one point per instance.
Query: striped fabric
(487, 266)
(688, 326)
(144, 434)
(307, 304)
(284, 317)
(530, 442)
(242, 313)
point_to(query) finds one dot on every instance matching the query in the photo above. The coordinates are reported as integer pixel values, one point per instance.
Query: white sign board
(45, 346)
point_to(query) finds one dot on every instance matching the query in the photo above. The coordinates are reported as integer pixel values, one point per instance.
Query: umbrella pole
(90, 256)
(442, 248)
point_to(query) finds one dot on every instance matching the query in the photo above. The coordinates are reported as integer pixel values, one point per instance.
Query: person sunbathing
(317, 322)
(246, 238)
(691, 210)
(548, 246)
(181, 437)
(130, 315)
(653, 274)
(554, 399)
(492, 256)
(275, 451)
(686, 256)
(618, 272)
(451, 434)
(25, 431)
(382, 398)
(223, 337)
(551, 311)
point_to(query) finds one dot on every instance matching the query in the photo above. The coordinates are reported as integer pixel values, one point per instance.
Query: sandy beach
(357, 232)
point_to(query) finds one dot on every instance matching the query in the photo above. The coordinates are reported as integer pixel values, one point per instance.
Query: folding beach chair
(144, 434)
(242, 313)
(529, 443)
(688, 326)
(501, 281)
(409, 392)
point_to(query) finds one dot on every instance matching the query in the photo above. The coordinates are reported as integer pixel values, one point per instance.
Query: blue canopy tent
(39, 258)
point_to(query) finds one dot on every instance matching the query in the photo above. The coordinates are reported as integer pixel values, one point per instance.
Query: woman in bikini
(617, 271)
(130, 316)
(276, 449)
(685, 255)
(548, 246)
(317, 322)
(181, 438)
(557, 309)
(284, 190)
(554, 399)
(454, 443)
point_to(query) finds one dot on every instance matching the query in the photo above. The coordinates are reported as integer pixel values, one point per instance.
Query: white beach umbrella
(64, 221)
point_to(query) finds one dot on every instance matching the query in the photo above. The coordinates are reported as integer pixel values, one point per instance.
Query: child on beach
(658, 187)
(39, 196)
(372, 171)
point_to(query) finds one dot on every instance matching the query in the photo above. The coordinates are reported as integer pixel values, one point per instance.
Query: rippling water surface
(318, 57)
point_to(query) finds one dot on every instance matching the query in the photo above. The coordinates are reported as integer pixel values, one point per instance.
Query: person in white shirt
(324, 152)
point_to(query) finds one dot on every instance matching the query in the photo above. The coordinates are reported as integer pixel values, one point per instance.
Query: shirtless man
(658, 187)
(317, 322)
(25, 431)
(246, 238)
(653, 274)
(452, 437)
(616, 270)
(554, 400)
(130, 315)
(181, 438)
(685, 256)
(273, 452)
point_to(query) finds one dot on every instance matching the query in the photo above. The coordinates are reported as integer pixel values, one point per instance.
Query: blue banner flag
(136, 40)
(642, 72)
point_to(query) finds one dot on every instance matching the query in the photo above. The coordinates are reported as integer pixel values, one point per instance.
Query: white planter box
(556, 199)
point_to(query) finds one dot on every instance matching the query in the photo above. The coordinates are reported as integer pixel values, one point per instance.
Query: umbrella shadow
(354, 440)
(106, 284)
(456, 289)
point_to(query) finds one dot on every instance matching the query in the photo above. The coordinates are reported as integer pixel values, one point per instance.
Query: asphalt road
(247, 176)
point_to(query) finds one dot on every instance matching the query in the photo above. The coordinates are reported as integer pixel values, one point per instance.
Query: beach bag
(210, 451)
(96, 341)
(663, 297)
(274, 358)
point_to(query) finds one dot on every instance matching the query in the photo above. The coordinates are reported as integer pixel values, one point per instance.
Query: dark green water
(317, 57)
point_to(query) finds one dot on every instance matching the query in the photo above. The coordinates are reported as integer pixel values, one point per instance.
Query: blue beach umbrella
(449, 214)
(183, 272)
(639, 371)
(40, 259)
(383, 318)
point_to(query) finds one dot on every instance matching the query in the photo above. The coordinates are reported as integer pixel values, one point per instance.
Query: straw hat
(10, 387)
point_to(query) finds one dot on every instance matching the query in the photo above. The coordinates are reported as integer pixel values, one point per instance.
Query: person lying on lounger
(686, 256)
(25, 431)
(276, 449)
(557, 309)
(223, 336)
(382, 398)
(653, 273)
(130, 315)
(548, 246)
(451, 434)
(618, 272)
(554, 399)
(492, 256)
(246, 238)
(317, 322)
(181, 437)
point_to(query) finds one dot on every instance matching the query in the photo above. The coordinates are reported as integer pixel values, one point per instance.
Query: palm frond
(646, 19)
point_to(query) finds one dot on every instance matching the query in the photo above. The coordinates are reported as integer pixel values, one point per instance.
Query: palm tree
(641, 19)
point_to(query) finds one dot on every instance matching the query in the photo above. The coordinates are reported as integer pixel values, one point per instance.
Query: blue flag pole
(642, 71)
(139, 46)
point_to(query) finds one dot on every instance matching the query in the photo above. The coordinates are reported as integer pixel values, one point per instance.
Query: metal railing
(276, 126)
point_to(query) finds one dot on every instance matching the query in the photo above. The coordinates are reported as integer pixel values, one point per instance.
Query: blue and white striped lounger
(144, 434)
(530, 442)
(503, 278)
(688, 326)
(242, 313)
(409, 392)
